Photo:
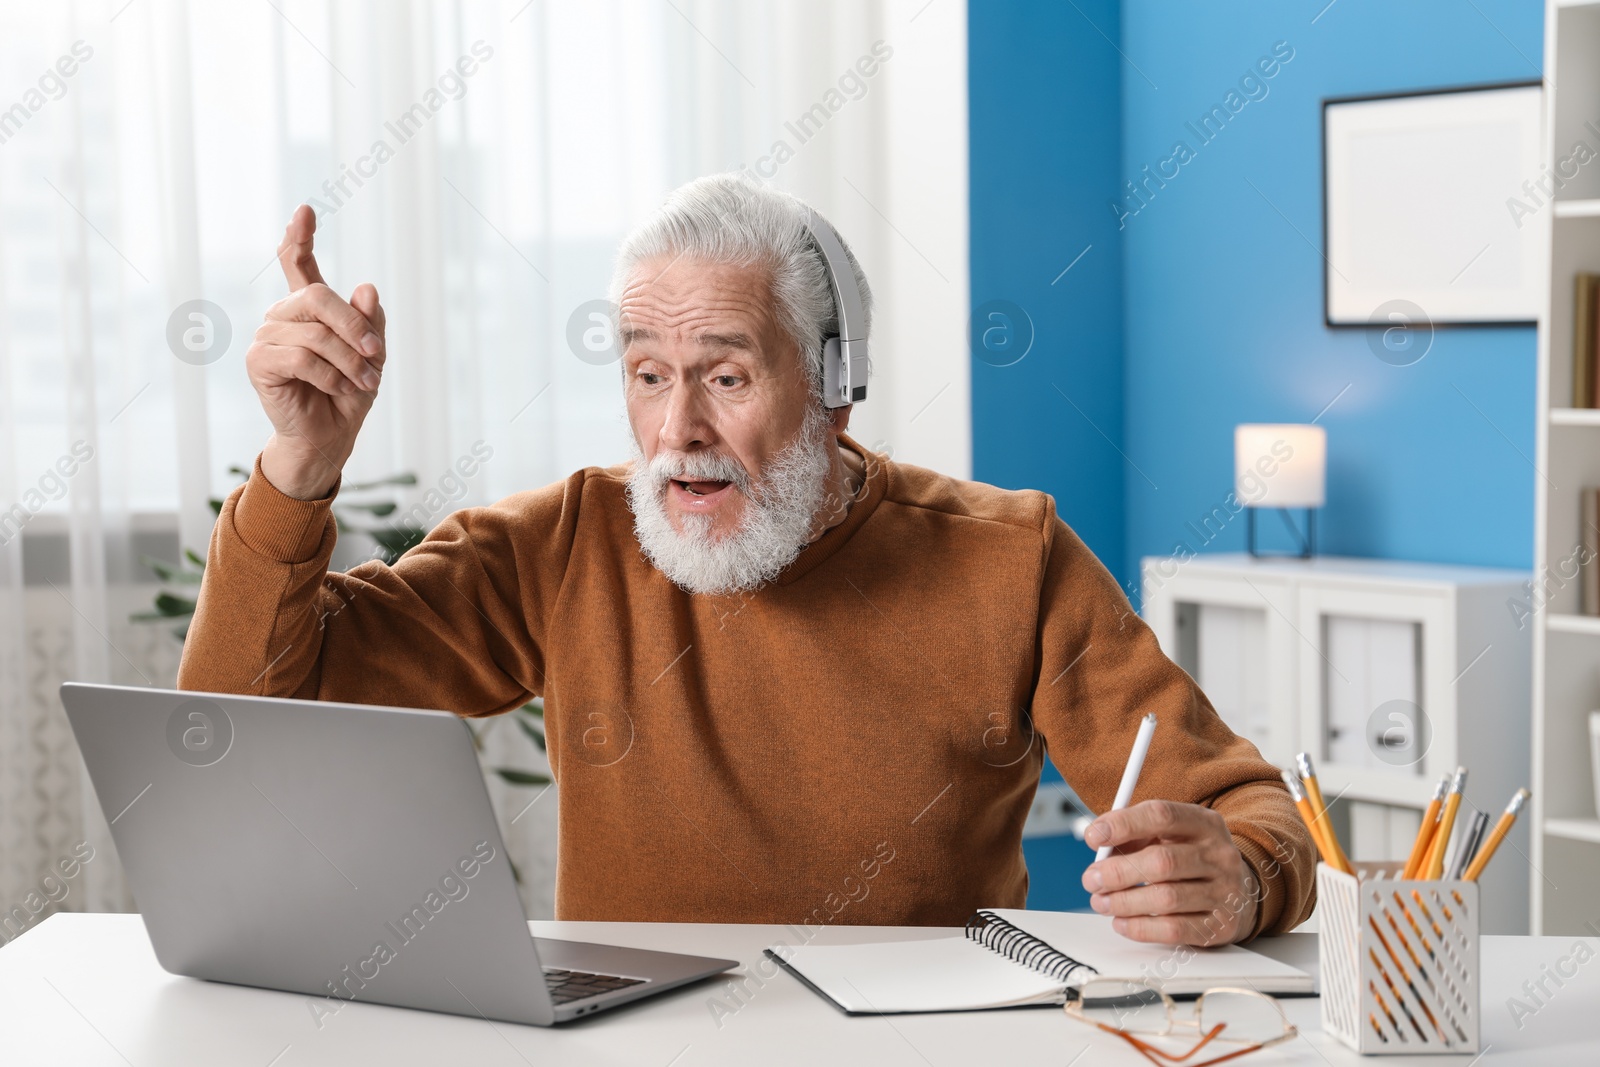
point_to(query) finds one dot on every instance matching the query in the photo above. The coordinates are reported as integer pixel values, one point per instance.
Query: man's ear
(839, 418)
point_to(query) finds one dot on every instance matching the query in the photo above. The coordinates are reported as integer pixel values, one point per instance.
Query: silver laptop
(341, 851)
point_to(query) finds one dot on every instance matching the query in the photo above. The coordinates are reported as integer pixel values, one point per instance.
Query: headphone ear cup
(833, 375)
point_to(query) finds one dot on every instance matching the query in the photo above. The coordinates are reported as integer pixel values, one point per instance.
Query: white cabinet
(1389, 673)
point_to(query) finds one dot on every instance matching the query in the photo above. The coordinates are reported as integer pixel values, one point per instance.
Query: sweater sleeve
(1099, 670)
(456, 624)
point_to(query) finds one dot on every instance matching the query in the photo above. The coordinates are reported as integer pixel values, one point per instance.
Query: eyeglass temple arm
(1151, 1052)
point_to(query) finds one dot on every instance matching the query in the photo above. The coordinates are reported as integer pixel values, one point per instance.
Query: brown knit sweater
(858, 742)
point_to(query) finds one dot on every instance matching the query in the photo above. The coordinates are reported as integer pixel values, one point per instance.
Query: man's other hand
(1176, 876)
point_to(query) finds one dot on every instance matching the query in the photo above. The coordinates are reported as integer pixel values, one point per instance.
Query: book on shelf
(1586, 291)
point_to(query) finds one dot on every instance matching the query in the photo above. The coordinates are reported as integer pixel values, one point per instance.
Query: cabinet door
(1235, 637)
(1375, 699)
(1372, 687)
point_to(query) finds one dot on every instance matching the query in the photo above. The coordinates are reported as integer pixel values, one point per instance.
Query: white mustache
(697, 467)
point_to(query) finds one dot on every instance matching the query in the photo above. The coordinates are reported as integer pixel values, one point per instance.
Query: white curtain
(479, 163)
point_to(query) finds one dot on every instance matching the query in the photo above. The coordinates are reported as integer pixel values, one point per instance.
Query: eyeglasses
(1134, 1010)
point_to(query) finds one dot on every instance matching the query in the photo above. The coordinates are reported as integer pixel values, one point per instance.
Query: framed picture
(1427, 209)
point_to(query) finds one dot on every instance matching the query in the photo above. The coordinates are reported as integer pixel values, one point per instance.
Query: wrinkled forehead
(697, 302)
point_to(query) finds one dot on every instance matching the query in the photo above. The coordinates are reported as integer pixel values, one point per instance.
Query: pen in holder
(1399, 961)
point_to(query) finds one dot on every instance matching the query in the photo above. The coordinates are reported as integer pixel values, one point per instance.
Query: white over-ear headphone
(844, 358)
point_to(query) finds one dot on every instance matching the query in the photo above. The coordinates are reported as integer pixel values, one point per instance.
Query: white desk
(86, 990)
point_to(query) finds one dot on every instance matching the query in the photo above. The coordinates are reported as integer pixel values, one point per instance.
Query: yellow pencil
(1308, 775)
(1394, 992)
(1430, 822)
(1426, 914)
(1411, 920)
(1501, 828)
(1379, 996)
(1433, 869)
(1297, 793)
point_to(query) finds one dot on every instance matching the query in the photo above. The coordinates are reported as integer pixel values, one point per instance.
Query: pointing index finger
(295, 253)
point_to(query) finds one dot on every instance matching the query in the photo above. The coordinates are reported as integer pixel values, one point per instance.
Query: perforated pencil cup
(1399, 961)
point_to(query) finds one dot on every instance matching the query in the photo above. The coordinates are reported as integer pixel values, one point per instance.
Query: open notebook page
(940, 974)
(955, 973)
(1179, 971)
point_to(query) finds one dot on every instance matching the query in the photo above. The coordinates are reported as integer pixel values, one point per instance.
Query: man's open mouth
(700, 488)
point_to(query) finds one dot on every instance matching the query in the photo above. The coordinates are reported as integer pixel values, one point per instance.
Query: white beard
(779, 513)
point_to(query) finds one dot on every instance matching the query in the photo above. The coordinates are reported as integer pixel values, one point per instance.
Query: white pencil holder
(1399, 961)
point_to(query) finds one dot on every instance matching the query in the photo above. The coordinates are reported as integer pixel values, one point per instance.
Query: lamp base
(1307, 543)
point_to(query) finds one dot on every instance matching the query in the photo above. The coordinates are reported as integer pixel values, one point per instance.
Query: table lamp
(1281, 466)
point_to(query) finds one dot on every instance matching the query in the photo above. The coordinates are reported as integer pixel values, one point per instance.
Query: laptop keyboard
(566, 986)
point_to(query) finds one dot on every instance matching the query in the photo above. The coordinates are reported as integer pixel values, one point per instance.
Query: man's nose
(688, 424)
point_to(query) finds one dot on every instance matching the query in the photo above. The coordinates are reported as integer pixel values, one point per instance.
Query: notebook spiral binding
(1016, 944)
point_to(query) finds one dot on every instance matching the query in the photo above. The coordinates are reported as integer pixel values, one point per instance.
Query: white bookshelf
(1564, 867)
(1575, 416)
(1574, 829)
(1577, 209)
(1572, 624)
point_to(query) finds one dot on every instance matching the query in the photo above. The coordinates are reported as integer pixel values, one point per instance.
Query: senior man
(786, 679)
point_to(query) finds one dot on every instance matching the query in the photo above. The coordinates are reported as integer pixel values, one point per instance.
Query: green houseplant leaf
(535, 734)
(521, 777)
(169, 573)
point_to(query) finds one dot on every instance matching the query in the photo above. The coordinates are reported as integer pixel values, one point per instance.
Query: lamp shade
(1280, 465)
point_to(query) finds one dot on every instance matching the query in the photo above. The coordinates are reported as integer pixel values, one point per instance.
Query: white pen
(1130, 774)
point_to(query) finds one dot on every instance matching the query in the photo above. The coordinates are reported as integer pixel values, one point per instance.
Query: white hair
(731, 219)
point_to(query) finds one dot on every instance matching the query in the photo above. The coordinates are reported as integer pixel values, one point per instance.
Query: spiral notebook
(1011, 958)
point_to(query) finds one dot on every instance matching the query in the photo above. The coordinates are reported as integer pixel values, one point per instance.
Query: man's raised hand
(316, 363)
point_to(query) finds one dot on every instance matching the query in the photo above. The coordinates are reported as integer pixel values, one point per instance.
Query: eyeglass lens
(1246, 1017)
(1136, 1008)
(1127, 1006)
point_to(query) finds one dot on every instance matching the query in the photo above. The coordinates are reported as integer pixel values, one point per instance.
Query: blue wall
(1223, 294)
(1206, 309)
(1046, 129)
(1046, 144)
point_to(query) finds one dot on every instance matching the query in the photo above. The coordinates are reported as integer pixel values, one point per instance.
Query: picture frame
(1429, 198)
